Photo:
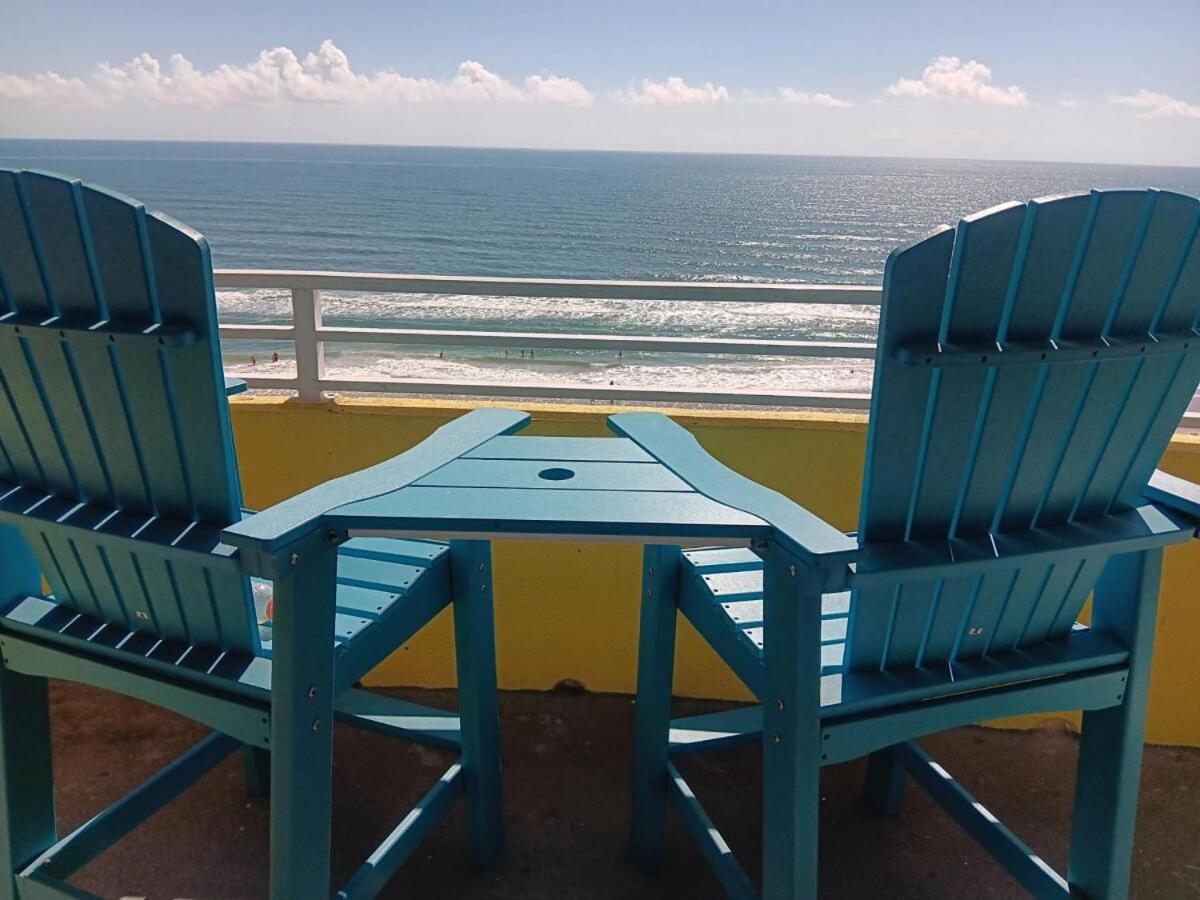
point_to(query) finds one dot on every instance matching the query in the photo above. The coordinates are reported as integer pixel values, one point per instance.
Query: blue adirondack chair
(1032, 366)
(117, 477)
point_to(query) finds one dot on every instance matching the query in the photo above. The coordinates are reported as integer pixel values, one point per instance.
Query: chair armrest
(266, 533)
(805, 534)
(235, 386)
(1175, 494)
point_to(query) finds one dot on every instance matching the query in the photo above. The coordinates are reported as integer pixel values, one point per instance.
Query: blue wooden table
(475, 479)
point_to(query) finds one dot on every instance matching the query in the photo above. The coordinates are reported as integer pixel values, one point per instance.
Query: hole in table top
(556, 474)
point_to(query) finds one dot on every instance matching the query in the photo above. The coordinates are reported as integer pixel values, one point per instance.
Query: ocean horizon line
(599, 150)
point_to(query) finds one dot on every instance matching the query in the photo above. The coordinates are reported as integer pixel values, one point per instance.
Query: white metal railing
(310, 335)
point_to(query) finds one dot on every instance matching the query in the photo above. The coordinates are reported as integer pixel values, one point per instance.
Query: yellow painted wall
(569, 611)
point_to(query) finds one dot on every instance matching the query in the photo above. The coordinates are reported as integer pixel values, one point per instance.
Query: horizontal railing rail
(480, 286)
(309, 335)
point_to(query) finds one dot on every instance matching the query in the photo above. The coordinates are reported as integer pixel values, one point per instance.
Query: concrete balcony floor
(566, 784)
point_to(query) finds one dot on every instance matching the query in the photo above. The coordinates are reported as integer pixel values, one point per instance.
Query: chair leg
(791, 728)
(256, 763)
(1106, 787)
(475, 650)
(302, 722)
(652, 713)
(1110, 747)
(26, 780)
(884, 787)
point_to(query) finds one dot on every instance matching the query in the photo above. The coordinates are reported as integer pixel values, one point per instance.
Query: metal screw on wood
(779, 703)
(332, 537)
(481, 567)
(483, 589)
(294, 559)
(316, 725)
(775, 738)
(792, 571)
(975, 631)
(312, 692)
(651, 573)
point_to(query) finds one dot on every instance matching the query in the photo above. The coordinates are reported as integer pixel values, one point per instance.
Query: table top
(553, 487)
(476, 478)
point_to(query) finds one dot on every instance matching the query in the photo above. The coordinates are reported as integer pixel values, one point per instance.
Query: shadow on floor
(566, 792)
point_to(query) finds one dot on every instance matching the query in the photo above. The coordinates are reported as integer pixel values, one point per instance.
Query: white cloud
(674, 92)
(553, 89)
(796, 98)
(46, 86)
(1157, 106)
(804, 98)
(1072, 103)
(949, 78)
(278, 75)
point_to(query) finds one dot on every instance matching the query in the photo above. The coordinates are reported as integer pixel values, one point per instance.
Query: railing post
(310, 352)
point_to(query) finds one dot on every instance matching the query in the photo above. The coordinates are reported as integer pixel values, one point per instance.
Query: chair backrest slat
(185, 292)
(964, 451)
(946, 617)
(136, 427)
(956, 411)
(33, 443)
(907, 627)
(117, 246)
(913, 300)
(109, 599)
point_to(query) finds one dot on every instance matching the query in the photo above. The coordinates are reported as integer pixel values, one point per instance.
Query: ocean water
(531, 213)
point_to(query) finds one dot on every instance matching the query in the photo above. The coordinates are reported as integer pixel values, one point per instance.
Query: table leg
(791, 727)
(652, 714)
(475, 649)
(302, 722)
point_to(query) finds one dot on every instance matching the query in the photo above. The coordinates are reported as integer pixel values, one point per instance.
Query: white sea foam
(710, 319)
(567, 366)
(718, 374)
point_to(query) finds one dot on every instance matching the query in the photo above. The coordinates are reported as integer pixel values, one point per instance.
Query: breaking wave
(516, 364)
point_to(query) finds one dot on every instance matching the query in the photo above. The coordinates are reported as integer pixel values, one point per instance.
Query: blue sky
(1054, 79)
